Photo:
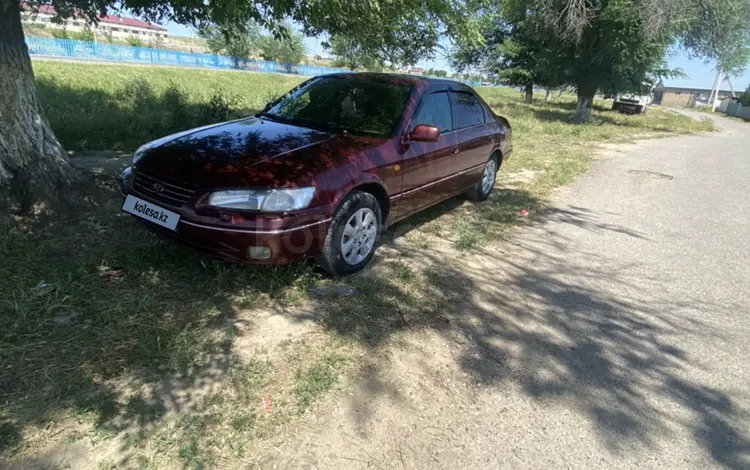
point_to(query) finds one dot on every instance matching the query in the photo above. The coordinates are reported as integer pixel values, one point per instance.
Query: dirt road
(613, 332)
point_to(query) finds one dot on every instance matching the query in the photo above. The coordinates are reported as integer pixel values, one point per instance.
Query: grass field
(94, 107)
(102, 325)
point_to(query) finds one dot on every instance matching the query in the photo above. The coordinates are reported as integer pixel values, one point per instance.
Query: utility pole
(731, 88)
(715, 89)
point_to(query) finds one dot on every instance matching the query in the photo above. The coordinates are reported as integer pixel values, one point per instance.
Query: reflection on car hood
(237, 153)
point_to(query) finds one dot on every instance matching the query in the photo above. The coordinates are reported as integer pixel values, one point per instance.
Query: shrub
(107, 35)
(745, 97)
(60, 33)
(85, 35)
(134, 41)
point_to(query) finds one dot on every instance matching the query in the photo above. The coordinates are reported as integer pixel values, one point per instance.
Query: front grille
(168, 193)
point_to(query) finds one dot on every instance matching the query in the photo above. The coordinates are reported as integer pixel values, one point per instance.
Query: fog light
(259, 252)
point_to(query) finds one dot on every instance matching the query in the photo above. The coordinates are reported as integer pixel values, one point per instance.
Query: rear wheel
(482, 189)
(354, 231)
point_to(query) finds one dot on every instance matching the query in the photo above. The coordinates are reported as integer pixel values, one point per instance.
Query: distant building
(667, 94)
(119, 26)
(416, 71)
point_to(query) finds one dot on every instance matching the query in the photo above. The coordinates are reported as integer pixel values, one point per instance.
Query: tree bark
(529, 92)
(33, 169)
(548, 96)
(585, 101)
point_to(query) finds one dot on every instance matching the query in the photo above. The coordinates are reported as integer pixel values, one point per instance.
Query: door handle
(455, 151)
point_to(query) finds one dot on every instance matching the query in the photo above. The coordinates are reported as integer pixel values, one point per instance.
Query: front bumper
(229, 237)
(232, 245)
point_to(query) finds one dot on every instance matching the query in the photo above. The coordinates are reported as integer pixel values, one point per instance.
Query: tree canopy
(349, 54)
(238, 43)
(286, 48)
(515, 50)
(602, 45)
(720, 34)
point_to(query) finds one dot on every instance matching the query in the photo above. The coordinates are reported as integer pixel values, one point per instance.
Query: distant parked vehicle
(631, 103)
(320, 172)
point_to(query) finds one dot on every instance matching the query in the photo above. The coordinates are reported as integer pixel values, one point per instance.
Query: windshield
(345, 104)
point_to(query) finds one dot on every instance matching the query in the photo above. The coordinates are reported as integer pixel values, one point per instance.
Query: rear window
(467, 111)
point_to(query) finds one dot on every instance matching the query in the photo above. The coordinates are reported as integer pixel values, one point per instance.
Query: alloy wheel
(359, 235)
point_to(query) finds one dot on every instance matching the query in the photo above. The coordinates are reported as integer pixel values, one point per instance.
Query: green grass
(82, 349)
(119, 107)
(317, 380)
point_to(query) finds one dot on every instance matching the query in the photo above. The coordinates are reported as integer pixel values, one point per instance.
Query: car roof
(431, 82)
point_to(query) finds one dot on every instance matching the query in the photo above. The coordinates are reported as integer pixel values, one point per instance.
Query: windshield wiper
(273, 117)
(338, 128)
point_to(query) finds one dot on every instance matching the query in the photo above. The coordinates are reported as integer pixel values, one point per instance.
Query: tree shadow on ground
(604, 340)
(604, 116)
(94, 306)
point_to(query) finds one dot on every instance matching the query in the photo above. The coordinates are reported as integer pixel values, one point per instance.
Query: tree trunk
(585, 101)
(548, 96)
(529, 91)
(33, 169)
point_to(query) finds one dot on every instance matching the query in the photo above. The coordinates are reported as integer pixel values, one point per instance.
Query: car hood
(246, 152)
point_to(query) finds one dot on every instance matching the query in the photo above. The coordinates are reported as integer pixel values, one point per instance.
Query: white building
(119, 26)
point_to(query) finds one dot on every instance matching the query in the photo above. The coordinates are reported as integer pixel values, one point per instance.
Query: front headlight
(271, 200)
(139, 153)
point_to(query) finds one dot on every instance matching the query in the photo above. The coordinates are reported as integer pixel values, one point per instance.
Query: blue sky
(700, 75)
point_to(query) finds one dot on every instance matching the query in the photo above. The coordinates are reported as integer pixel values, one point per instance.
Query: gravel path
(613, 332)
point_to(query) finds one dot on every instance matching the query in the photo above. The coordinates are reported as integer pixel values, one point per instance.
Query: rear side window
(434, 111)
(467, 111)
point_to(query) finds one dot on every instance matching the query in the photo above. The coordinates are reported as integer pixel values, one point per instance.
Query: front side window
(435, 111)
(345, 104)
(467, 111)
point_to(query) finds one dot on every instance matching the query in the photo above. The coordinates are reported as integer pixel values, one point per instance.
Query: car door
(427, 167)
(476, 135)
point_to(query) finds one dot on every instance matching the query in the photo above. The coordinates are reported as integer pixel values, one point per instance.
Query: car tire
(483, 187)
(344, 232)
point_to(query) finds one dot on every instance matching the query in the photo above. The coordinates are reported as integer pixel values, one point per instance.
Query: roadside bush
(107, 35)
(133, 41)
(85, 35)
(60, 33)
(745, 97)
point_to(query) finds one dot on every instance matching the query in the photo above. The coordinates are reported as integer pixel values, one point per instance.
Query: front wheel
(482, 189)
(354, 231)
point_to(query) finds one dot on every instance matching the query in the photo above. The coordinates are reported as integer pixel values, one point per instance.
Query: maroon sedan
(320, 172)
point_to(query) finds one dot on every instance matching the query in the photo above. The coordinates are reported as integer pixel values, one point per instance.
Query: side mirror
(424, 133)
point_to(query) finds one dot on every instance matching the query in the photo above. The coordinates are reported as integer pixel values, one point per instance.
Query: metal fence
(85, 50)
